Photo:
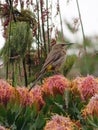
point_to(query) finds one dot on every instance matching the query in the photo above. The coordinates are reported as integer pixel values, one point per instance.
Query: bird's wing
(52, 57)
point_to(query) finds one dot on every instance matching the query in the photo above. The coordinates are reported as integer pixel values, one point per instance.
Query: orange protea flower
(56, 84)
(78, 125)
(86, 87)
(6, 92)
(92, 107)
(36, 94)
(59, 123)
(96, 79)
(75, 83)
(3, 128)
(25, 97)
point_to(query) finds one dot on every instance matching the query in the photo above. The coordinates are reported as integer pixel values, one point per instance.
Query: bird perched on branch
(54, 60)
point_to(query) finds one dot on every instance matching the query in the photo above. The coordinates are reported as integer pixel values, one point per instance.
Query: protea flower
(92, 107)
(6, 92)
(75, 84)
(86, 87)
(2, 128)
(36, 94)
(25, 97)
(56, 84)
(60, 123)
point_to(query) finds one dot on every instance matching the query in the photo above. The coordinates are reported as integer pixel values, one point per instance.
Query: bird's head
(62, 45)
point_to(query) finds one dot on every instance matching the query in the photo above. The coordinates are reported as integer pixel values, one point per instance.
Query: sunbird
(54, 61)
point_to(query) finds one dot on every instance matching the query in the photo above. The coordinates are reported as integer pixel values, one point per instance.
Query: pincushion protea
(56, 84)
(25, 98)
(92, 107)
(60, 123)
(32, 97)
(2, 128)
(36, 94)
(86, 87)
(7, 92)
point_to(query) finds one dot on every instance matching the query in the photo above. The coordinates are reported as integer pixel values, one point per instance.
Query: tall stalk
(60, 20)
(81, 25)
(13, 74)
(47, 2)
(25, 73)
(10, 17)
(7, 70)
(43, 29)
(19, 68)
(29, 63)
(21, 4)
(38, 31)
(84, 45)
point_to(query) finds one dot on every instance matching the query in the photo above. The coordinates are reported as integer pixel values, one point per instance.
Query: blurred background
(29, 28)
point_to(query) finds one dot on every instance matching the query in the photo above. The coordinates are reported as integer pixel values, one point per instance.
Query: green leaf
(58, 108)
(3, 112)
(39, 122)
(10, 117)
(19, 122)
(93, 121)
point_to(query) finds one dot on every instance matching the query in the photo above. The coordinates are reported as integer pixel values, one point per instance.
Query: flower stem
(81, 25)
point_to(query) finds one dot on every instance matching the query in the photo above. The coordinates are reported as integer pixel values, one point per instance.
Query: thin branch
(43, 30)
(61, 20)
(25, 73)
(48, 25)
(84, 45)
(37, 37)
(81, 25)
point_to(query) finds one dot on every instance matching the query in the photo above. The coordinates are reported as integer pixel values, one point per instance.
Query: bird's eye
(63, 45)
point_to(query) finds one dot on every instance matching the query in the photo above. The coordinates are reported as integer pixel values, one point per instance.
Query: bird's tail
(39, 77)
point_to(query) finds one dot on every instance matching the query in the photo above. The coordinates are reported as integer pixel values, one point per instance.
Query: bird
(54, 61)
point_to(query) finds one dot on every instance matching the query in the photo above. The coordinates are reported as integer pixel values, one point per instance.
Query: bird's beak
(69, 43)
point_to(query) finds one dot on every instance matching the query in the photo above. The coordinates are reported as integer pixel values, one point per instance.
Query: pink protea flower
(2, 128)
(56, 84)
(96, 79)
(6, 92)
(92, 107)
(85, 86)
(36, 94)
(75, 83)
(59, 123)
(88, 87)
(25, 97)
